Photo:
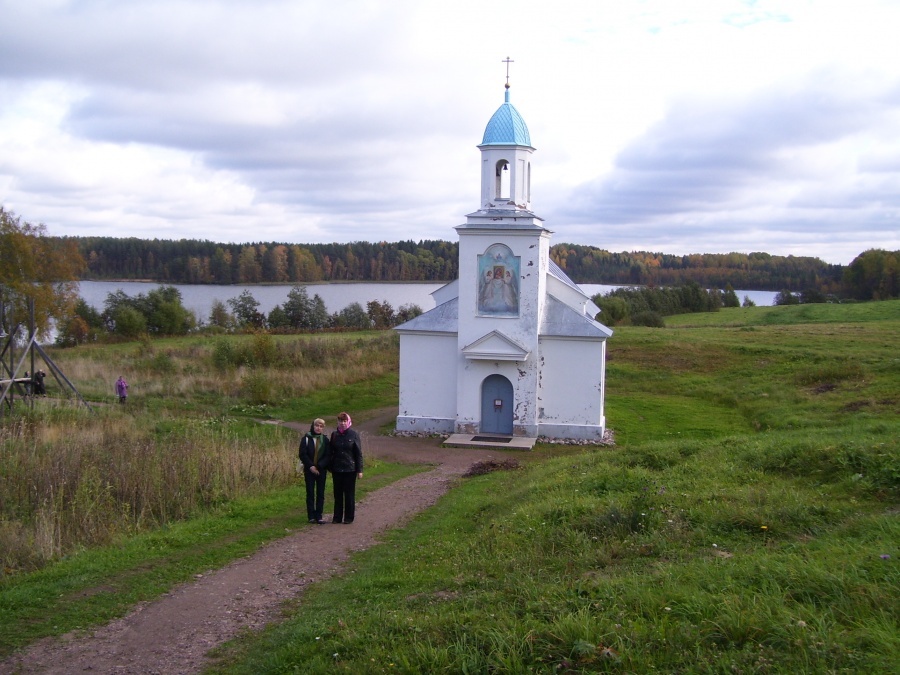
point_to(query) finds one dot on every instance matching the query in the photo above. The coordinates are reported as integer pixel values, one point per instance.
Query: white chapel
(511, 347)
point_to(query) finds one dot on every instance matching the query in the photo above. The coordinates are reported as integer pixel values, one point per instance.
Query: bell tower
(504, 253)
(506, 161)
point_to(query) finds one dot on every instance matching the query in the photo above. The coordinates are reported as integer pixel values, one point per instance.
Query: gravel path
(172, 635)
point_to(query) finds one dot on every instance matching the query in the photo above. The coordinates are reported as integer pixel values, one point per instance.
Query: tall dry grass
(70, 478)
(86, 480)
(227, 366)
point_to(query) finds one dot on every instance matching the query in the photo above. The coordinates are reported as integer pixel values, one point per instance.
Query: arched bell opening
(502, 180)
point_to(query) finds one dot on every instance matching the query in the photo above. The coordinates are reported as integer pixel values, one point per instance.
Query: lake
(336, 296)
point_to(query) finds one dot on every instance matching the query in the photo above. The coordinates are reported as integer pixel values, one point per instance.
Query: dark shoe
(336, 522)
(348, 522)
(320, 522)
(312, 520)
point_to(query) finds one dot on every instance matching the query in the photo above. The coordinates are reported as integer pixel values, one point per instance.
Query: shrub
(129, 323)
(613, 309)
(785, 297)
(257, 387)
(264, 351)
(649, 319)
(223, 354)
(74, 332)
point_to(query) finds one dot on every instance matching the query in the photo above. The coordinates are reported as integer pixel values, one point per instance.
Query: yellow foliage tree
(35, 267)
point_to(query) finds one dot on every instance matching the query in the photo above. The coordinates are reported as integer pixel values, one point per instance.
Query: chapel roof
(506, 127)
(442, 319)
(560, 320)
(557, 272)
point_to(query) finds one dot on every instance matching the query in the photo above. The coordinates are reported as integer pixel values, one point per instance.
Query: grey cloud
(705, 155)
(171, 45)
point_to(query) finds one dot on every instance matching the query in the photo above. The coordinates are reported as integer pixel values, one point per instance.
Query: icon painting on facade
(498, 282)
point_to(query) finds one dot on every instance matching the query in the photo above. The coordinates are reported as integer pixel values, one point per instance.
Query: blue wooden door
(496, 405)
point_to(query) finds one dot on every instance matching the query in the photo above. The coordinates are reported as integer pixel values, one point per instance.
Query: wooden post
(31, 349)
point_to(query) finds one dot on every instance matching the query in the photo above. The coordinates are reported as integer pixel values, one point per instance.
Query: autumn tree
(246, 312)
(303, 312)
(380, 313)
(730, 298)
(36, 267)
(785, 297)
(873, 275)
(85, 325)
(159, 312)
(219, 315)
(249, 269)
(352, 317)
(406, 313)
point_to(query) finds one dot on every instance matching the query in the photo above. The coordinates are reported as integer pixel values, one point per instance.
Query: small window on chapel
(528, 195)
(502, 186)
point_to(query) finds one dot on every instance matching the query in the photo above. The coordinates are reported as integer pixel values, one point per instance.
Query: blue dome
(506, 127)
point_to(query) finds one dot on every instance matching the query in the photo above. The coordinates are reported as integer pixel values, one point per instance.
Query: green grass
(686, 556)
(739, 370)
(375, 393)
(745, 522)
(863, 312)
(97, 585)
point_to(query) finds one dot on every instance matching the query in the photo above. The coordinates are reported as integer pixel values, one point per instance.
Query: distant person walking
(346, 465)
(314, 455)
(122, 389)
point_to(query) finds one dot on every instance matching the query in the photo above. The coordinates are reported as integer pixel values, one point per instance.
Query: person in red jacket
(346, 465)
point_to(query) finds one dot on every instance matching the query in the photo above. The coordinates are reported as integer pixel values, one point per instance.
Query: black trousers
(344, 496)
(315, 493)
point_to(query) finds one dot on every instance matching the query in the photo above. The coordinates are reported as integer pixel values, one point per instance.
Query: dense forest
(191, 261)
(753, 271)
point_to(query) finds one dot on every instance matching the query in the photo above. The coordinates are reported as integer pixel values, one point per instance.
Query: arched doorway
(496, 405)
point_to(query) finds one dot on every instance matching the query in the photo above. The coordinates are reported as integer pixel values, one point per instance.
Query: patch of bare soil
(173, 634)
(487, 466)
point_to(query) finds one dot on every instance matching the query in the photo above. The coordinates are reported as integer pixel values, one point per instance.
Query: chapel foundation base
(492, 441)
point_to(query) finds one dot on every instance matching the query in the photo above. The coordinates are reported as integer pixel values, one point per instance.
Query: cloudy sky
(684, 126)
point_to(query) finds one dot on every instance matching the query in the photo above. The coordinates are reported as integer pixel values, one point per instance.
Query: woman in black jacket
(314, 455)
(346, 465)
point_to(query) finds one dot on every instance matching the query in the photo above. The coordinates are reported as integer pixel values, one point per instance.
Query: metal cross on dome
(507, 61)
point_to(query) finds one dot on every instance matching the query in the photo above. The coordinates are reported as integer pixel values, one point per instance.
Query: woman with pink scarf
(346, 465)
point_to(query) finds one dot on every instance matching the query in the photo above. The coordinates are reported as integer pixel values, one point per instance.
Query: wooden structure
(11, 363)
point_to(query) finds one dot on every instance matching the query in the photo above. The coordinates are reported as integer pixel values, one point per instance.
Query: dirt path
(172, 634)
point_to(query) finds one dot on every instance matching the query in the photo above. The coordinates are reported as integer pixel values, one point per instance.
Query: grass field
(745, 522)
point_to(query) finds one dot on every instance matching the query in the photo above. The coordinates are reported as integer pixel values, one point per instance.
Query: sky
(673, 127)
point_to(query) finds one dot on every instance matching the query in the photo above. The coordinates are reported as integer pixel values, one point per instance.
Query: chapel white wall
(428, 366)
(571, 397)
